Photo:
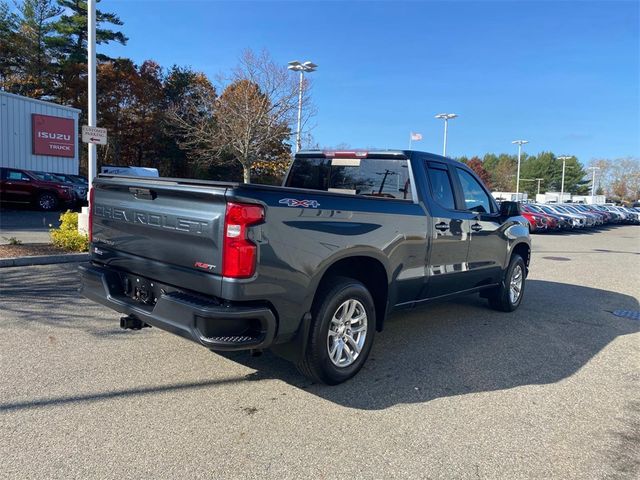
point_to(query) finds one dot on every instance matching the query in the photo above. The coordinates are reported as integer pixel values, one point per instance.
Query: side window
(475, 197)
(441, 188)
(14, 175)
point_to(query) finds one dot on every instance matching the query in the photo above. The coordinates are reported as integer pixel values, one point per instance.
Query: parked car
(23, 186)
(79, 192)
(626, 215)
(579, 221)
(598, 217)
(632, 215)
(80, 179)
(589, 221)
(553, 222)
(564, 221)
(614, 216)
(80, 186)
(311, 269)
(537, 221)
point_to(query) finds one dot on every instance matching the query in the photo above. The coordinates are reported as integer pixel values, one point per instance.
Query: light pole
(564, 159)
(519, 143)
(593, 181)
(533, 180)
(446, 117)
(91, 104)
(306, 67)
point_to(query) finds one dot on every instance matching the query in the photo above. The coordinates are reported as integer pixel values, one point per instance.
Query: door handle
(442, 226)
(476, 227)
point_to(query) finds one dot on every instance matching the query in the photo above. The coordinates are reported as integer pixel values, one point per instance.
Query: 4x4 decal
(292, 202)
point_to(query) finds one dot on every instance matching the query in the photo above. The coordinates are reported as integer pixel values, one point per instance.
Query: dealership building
(38, 135)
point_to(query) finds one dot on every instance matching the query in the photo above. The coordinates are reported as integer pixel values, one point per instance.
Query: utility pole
(446, 117)
(519, 143)
(92, 110)
(564, 159)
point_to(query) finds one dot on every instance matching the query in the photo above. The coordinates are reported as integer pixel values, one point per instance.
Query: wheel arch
(524, 250)
(368, 270)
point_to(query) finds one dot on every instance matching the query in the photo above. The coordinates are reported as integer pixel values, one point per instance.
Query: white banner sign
(95, 135)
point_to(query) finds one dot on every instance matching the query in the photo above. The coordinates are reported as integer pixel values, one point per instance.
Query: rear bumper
(205, 321)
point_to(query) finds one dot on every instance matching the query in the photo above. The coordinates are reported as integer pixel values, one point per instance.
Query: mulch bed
(29, 250)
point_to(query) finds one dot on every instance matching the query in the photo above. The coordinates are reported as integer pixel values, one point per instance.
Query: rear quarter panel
(297, 244)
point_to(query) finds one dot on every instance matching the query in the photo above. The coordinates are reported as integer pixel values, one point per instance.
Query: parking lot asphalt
(26, 225)
(452, 390)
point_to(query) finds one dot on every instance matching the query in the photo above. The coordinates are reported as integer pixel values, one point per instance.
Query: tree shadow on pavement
(463, 347)
(48, 295)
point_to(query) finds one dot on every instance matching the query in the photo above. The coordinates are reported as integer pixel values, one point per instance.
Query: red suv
(24, 187)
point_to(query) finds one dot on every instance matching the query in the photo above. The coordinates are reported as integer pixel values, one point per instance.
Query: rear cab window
(372, 177)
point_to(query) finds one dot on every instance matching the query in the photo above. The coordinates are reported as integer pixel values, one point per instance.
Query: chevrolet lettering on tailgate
(169, 222)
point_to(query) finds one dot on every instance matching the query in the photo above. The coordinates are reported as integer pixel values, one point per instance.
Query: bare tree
(192, 116)
(619, 178)
(250, 122)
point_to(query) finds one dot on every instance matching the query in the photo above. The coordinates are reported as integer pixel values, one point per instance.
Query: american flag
(416, 136)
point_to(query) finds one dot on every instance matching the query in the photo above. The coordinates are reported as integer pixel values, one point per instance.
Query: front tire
(341, 334)
(47, 201)
(508, 296)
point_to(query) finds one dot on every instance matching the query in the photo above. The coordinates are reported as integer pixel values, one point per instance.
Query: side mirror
(509, 209)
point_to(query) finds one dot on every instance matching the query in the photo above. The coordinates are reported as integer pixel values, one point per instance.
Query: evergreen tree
(35, 27)
(9, 55)
(69, 46)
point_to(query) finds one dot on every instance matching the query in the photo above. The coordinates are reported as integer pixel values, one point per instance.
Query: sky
(564, 75)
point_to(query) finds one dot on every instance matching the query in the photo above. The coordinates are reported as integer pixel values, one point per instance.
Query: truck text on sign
(54, 136)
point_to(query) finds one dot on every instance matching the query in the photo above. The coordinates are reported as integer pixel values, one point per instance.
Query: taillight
(239, 253)
(91, 194)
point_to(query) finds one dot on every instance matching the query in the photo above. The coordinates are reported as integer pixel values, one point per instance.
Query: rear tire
(508, 296)
(47, 201)
(341, 334)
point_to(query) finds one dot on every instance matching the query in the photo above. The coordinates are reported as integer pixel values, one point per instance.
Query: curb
(43, 260)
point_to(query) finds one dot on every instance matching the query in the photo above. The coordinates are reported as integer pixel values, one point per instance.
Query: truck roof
(366, 153)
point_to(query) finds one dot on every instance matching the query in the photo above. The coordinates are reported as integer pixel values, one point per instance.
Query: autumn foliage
(43, 54)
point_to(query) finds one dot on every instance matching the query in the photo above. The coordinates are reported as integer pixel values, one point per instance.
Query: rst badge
(205, 266)
(292, 202)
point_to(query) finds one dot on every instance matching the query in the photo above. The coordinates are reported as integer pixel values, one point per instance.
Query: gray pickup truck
(310, 269)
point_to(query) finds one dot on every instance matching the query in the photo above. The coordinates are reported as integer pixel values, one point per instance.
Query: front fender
(516, 234)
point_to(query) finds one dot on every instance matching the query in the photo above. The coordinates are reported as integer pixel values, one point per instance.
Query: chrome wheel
(47, 202)
(515, 285)
(347, 333)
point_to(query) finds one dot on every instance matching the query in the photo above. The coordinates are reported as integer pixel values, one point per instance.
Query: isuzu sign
(53, 136)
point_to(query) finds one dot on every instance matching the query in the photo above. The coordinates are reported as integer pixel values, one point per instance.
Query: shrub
(67, 236)
(13, 241)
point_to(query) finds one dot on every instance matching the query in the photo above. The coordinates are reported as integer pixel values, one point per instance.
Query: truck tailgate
(159, 220)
